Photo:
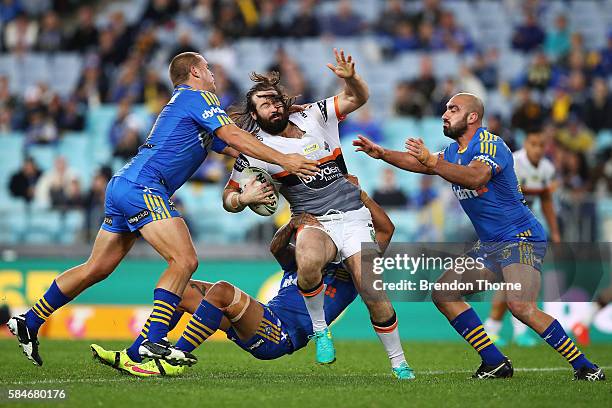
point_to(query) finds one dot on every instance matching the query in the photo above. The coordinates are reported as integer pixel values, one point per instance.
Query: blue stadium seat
(43, 155)
(603, 140)
(397, 130)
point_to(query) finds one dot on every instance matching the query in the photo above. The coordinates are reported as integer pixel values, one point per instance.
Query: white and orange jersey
(329, 189)
(538, 178)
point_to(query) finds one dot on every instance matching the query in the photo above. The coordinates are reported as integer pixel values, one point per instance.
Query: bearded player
(536, 175)
(512, 242)
(280, 327)
(345, 222)
(138, 204)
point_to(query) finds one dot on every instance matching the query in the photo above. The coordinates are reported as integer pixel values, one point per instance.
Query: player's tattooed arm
(401, 160)
(474, 175)
(356, 91)
(281, 247)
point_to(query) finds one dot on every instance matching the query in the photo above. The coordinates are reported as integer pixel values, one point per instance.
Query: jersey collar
(475, 137)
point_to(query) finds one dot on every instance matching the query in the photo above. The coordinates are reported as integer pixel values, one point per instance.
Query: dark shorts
(269, 342)
(128, 205)
(497, 255)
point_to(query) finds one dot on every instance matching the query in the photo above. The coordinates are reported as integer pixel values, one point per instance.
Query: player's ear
(194, 71)
(472, 117)
(253, 116)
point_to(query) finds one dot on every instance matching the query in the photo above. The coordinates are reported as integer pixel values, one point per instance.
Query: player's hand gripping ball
(261, 176)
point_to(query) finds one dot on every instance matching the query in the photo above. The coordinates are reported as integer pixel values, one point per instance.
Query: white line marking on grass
(199, 378)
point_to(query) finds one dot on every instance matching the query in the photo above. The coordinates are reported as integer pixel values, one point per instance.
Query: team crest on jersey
(322, 105)
(506, 253)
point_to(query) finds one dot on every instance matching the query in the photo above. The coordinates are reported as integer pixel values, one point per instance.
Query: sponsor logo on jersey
(108, 220)
(148, 190)
(289, 281)
(209, 113)
(241, 163)
(256, 344)
(322, 105)
(137, 217)
(171, 205)
(465, 193)
(326, 146)
(311, 148)
(329, 173)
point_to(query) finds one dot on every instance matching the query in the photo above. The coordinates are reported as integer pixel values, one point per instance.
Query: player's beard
(455, 132)
(273, 127)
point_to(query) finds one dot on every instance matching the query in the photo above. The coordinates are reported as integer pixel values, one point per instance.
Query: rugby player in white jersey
(346, 223)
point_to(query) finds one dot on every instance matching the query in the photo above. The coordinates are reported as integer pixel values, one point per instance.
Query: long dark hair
(241, 112)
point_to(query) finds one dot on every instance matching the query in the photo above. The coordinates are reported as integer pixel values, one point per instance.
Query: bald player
(512, 243)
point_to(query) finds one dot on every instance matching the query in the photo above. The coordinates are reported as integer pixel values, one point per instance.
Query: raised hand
(367, 146)
(417, 149)
(345, 66)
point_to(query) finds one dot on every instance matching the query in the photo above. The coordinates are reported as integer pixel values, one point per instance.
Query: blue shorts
(498, 255)
(128, 205)
(269, 342)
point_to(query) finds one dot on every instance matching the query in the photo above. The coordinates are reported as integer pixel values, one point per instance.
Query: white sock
(493, 327)
(519, 327)
(314, 304)
(393, 345)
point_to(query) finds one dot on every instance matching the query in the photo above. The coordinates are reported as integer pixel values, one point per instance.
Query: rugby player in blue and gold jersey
(138, 203)
(512, 242)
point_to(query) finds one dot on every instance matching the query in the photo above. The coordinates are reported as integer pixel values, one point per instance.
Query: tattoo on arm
(201, 289)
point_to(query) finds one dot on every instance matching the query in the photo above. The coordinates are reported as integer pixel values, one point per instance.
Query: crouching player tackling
(138, 204)
(265, 331)
(512, 242)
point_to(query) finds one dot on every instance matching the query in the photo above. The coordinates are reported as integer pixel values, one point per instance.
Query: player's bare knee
(521, 309)
(220, 294)
(186, 264)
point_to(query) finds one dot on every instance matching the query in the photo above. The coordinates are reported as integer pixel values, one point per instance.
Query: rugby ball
(262, 176)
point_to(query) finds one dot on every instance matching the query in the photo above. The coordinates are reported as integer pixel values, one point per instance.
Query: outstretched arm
(355, 93)
(402, 160)
(472, 176)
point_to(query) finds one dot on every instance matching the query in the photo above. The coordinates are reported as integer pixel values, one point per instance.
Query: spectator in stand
(425, 83)
(404, 38)
(110, 57)
(345, 22)
(202, 13)
(156, 93)
(426, 36)
(442, 94)
(55, 186)
(362, 122)
(51, 36)
(160, 11)
(219, 52)
(93, 84)
(557, 42)
(23, 182)
(468, 82)
(388, 195)
(528, 114)
(529, 36)
(408, 102)
(122, 33)
(578, 92)
(485, 68)
(540, 74)
(392, 17)
(430, 13)
(125, 119)
(605, 57)
(597, 114)
(21, 34)
(427, 192)
(305, 22)
(129, 142)
(85, 35)
(72, 116)
(449, 36)
(575, 136)
(8, 101)
(495, 125)
(268, 21)
(227, 90)
(9, 9)
(230, 22)
(184, 44)
(129, 83)
(41, 129)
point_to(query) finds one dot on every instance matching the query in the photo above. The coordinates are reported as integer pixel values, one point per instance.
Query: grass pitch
(227, 376)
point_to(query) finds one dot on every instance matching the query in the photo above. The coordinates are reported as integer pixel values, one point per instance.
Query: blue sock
(558, 339)
(52, 300)
(469, 326)
(204, 322)
(132, 351)
(164, 305)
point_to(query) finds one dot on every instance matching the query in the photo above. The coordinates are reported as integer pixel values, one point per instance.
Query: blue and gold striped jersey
(497, 210)
(181, 138)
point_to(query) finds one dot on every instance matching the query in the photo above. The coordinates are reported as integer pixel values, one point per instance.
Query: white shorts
(348, 230)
